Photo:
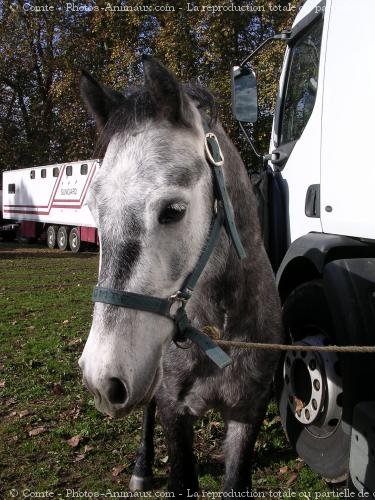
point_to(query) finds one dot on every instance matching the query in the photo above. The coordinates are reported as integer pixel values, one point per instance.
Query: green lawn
(45, 315)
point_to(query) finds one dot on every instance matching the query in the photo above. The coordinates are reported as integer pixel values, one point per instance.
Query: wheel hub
(314, 386)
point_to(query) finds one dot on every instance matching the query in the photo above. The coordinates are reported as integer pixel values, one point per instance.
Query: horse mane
(138, 107)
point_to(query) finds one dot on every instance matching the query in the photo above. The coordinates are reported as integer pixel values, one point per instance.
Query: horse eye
(172, 213)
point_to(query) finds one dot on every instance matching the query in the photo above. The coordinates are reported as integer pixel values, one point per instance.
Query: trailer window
(84, 169)
(55, 172)
(43, 173)
(302, 83)
(32, 174)
(11, 188)
(69, 170)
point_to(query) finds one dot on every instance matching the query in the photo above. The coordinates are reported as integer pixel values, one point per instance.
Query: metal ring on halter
(176, 300)
(212, 137)
(177, 344)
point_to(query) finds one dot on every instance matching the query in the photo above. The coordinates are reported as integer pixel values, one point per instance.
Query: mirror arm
(250, 141)
(284, 35)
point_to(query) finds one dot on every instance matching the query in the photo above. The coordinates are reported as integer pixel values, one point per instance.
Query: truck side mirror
(244, 95)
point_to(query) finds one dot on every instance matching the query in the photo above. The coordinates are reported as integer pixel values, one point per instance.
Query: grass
(45, 316)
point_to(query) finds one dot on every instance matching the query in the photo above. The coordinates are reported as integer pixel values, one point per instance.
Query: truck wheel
(311, 395)
(62, 238)
(74, 240)
(51, 236)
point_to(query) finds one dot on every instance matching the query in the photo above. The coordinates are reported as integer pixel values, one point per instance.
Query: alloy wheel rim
(314, 387)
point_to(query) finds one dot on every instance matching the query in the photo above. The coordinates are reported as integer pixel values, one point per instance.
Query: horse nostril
(116, 391)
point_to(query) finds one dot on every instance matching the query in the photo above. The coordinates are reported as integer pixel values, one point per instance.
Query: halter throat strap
(223, 216)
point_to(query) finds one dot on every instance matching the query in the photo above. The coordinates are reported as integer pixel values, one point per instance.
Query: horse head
(152, 200)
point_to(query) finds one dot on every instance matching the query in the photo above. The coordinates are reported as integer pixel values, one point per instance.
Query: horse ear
(99, 100)
(165, 90)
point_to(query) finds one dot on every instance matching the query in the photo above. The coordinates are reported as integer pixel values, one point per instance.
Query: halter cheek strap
(223, 216)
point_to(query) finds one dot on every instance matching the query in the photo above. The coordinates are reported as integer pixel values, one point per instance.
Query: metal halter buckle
(211, 136)
(176, 301)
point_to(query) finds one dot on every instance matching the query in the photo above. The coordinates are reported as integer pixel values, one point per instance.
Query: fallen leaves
(57, 389)
(75, 342)
(74, 441)
(36, 431)
(298, 405)
(118, 469)
(292, 479)
(79, 456)
(299, 464)
(283, 470)
(2, 384)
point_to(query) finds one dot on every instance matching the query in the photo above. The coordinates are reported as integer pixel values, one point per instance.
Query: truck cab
(320, 231)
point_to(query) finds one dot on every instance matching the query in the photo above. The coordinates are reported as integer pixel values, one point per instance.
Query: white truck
(317, 184)
(51, 199)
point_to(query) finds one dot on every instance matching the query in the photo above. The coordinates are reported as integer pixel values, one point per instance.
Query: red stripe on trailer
(31, 212)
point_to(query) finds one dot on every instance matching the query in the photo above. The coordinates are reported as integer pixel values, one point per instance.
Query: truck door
(348, 167)
(295, 143)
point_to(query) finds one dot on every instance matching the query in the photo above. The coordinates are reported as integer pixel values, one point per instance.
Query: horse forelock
(138, 108)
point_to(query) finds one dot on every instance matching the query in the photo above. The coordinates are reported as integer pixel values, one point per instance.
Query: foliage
(41, 54)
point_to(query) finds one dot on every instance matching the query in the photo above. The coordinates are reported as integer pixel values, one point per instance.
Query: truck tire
(311, 390)
(51, 237)
(74, 240)
(62, 238)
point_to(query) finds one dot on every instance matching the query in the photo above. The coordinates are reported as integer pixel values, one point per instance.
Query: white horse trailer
(317, 185)
(51, 199)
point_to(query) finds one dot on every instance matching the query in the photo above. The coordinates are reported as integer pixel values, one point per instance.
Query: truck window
(32, 174)
(11, 188)
(43, 173)
(302, 83)
(84, 169)
(69, 170)
(55, 172)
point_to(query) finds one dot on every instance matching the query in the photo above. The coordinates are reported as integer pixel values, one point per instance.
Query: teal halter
(223, 216)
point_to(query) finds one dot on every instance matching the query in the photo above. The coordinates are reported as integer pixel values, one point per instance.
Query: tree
(42, 53)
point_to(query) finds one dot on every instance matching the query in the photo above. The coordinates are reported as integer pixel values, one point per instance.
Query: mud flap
(362, 448)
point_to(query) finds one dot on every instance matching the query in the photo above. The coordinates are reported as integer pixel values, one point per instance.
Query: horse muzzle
(112, 397)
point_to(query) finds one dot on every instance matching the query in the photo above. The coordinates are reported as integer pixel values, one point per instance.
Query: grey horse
(153, 201)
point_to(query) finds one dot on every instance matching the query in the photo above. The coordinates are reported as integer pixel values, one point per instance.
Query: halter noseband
(174, 306)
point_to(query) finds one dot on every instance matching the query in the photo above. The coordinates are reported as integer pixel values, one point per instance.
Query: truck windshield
(302, 83)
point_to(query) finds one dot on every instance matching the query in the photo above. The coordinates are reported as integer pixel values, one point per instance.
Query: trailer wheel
(51, 236)
(62, 238)
(311, 393)
(74, 240)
